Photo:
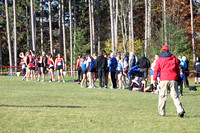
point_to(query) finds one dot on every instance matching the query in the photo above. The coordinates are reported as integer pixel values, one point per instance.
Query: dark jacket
(101, 62)
(112, 65)
(168, 66)
(143, 63)
(197, 66)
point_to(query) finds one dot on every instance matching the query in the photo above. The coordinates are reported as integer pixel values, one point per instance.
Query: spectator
(197, 69)
(101, 68)
(187, 69)
(139, 84)
(168, 66)
(183, 66)
(120, 67)
(112, 68)
(143, 63)
(132, 60)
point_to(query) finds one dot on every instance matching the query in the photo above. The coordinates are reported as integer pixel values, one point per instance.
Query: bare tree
(164, 19)
(149, 22)
(98, 26)
(146, 26)
(27, 26)
(41, 25)
(74, 3)
(192, 31)
(50, 27)
(93, 32)
(112, 25)
(63, 26)
(32, 25)
(71, 45)
(132, 31)
(116, 23)
(8, 34)
(60, 28)
(15, 35)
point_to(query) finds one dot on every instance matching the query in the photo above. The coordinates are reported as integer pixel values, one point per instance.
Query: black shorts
(51, 67)
(197, 74)
(84, 71)
(89, 69)
(59, 67)
(40, 65)
(31, 68)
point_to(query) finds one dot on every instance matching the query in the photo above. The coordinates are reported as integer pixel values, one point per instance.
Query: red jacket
(168, 66)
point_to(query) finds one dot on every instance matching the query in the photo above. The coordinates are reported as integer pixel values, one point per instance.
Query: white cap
(184, 58)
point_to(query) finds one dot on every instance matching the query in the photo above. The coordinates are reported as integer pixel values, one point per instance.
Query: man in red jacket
(168, 66)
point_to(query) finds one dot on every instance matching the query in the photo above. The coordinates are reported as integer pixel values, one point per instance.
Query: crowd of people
(45, 63)
(115, 68)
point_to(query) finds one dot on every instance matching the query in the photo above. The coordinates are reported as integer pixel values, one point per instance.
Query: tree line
(76, 26)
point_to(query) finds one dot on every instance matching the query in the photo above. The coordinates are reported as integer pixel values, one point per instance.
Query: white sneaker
(81, 86)
(111, 87)
(124, 86)
(50, 81)
(63, 81)
(90, 87)
(43, 80)
(58, 81)
(38, 80)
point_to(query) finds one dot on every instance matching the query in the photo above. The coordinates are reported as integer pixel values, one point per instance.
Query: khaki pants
(173, 87)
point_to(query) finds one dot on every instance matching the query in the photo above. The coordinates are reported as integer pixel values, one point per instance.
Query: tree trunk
(15, 35)
(27, 28)
(132, 30)
(90, 21)
(0, 54)
(74, 24)
(98, 27)
(71, 47)
(63, 26)
(41, 25)
(192, 32)
(129, 26)
(164, 19)
(8, 34)
(60, 29)
(116, 24)
(146, 26)
(32, 25)
(50, 28)
(93, 33)
(149, 23)
(112, 25)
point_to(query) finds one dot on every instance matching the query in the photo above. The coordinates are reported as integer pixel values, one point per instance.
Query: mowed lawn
(65, 107)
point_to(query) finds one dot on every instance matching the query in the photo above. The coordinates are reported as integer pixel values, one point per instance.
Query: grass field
(65, 107)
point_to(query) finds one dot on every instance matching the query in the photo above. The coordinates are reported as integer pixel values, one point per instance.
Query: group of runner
(44, 63)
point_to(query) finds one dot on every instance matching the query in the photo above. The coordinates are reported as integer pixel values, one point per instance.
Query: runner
(120, 67)
(78, 66)
(90, 66)
(23, 64)
(84, 71)
(45, 67)
(40, 65)
(51, 68)
(59, 65)
(32, 65)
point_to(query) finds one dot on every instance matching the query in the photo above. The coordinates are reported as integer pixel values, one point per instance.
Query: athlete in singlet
(32, 65)
(22, 63)
(78, 66)
(51, 68)
(26, 61)
(120, 67)
(59, 65)
(90, 66)
(84, 71)
(40, 67)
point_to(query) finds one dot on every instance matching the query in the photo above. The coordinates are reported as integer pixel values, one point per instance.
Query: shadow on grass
(43, 106)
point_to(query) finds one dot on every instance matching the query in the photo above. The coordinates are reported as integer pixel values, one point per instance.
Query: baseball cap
(165, 48)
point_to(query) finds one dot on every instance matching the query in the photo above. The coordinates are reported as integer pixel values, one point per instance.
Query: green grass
(57, 107)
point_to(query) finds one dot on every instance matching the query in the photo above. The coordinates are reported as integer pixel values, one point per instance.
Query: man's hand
(154, 83)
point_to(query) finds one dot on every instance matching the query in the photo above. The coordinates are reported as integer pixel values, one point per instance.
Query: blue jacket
(112, 64)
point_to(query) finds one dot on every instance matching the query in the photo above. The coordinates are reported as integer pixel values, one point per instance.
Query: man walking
(101, 68)
(168, 66)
